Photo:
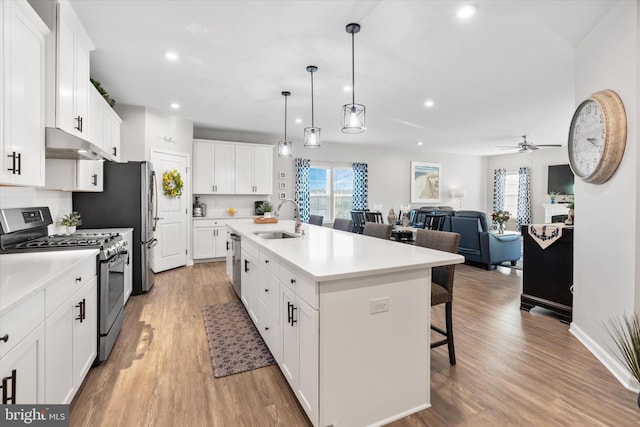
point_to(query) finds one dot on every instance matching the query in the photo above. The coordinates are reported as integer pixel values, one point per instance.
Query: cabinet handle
(79, 279)
(246, 266)
(266, 290)
(79, 123)
(114, 150)
(79, 305)
(5, 393)
(293, 281)
(289, 317)
(94, 179)
(266, 328)
(266, 261)
(15, 169)
(5, 338)
(82, 306)
(293, 309)
(227, 245)
(19, 156)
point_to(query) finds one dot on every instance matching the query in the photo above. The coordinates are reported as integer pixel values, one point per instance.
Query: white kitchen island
(347, 318)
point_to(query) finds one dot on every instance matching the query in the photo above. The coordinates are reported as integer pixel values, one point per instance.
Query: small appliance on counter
(256, 206)
(199, 208)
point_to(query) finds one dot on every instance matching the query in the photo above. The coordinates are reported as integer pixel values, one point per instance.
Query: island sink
(275, 235)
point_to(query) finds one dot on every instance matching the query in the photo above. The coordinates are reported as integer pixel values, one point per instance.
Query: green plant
(103, 92)
(625, 333)
(265, 207)
(72, 219)
(570, 205)
(500, 216)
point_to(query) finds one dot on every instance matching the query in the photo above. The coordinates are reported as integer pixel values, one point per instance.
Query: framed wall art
(283, 196)
(282, 175)
(425, 182)
(283, 185)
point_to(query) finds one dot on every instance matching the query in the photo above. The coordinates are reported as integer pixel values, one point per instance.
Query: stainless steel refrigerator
(128, 199)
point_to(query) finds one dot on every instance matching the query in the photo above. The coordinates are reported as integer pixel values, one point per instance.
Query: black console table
(548, 274)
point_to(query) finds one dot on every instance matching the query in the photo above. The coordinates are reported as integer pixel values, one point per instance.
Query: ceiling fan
(526, 147)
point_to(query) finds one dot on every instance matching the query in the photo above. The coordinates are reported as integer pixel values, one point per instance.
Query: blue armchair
(478, 245)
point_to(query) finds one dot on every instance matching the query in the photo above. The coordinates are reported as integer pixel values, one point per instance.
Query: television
(560, 179)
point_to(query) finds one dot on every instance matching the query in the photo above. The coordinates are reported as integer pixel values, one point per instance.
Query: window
(511, 193)
(330, 191)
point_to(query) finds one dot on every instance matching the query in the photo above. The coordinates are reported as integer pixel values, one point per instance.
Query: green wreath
(172, 184)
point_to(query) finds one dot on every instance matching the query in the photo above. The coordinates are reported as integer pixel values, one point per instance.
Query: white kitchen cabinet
(22, 94)
(268, 304)
(74, 175)
(254, 169)
(112, 136)
(71, 332)
(213, 166)
(72, 72)
(22, 352)
(210, 238)
(249, 280)
(104, 127)
(229, 254)
(299, 362)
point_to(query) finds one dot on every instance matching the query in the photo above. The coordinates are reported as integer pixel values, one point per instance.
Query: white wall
(537, 161)
(606, 241)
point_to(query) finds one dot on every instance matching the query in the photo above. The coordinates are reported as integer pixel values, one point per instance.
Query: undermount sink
(275, 234)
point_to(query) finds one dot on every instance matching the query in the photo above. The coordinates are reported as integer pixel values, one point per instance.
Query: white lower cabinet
(300, 336)
(22, 353)
(210, 238)
(250, 281)
(71, 334)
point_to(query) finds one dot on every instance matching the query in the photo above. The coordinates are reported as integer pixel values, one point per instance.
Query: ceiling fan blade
(548, 145)
(508, 146)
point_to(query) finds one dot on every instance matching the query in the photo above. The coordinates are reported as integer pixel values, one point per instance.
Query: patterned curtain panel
(302, 188)
(524, 197)
(499, 182)
(360, 186)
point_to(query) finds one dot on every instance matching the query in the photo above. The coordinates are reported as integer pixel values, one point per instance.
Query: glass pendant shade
(312, 137)
(353, 114)
(353, 118)
(284, 149)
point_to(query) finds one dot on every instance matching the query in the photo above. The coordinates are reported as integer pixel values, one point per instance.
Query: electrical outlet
(379, 305)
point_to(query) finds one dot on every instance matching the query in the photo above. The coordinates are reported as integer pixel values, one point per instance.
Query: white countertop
(198, 218)
(23, 275)
(327, 254)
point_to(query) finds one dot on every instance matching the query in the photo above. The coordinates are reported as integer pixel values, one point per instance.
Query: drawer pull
(81, 305)
(5, 392)
(293, 281)
(266, 261)
(266, 328)
(79, 279)
(266, 290)
(5, 338)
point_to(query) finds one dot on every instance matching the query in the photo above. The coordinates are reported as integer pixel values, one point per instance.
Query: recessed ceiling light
(171, 56)
(298, 120)
(466, 11)
(347, 88)
(429, 103)
(419, 143)
(175, 105)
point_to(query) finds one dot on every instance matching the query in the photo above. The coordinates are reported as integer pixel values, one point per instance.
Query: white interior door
(171, 230)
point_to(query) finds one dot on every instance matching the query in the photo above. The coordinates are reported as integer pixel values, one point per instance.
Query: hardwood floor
(514, 367)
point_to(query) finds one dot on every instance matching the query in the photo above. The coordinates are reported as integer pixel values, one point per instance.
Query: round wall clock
(597, 137)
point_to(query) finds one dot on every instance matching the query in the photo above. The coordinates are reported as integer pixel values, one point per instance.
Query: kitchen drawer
(251, 248)
(61, 290)
(269, 293)
(20, 321)
(269, 262)
(301, 284)
(269, 328)
(200, 223)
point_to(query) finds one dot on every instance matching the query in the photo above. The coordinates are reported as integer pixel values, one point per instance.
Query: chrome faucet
(297, 213)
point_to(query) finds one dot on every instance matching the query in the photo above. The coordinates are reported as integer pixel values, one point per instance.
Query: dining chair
(442, 282)
(358, 221)
(434, 221)
(373, 217)
(316, 219)
(381, 231)
(343, 224)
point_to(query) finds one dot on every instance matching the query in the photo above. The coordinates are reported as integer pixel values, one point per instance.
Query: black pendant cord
(353, 69)
(312, 121)
(285, 118)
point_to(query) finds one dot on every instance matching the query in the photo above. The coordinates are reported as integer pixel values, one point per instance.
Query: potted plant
(266, 209)
(500, 217)
(71, 221)
(625, 333)
(552, 196)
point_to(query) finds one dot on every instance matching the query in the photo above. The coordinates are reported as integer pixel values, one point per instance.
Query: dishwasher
(235, 260)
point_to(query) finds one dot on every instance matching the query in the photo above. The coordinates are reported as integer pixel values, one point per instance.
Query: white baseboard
(610, 362)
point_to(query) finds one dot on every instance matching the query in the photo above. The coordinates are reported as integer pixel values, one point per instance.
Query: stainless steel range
(26, 230)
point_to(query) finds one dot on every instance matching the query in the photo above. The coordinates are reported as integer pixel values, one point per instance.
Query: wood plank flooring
(514, 367)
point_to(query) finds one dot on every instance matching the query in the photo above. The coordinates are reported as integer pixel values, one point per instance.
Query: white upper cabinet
(22, 94)
(254, 169)
(72, 71)
(213, 167)
(103, 129)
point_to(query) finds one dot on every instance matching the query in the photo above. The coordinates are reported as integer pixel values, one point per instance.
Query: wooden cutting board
(261, 220)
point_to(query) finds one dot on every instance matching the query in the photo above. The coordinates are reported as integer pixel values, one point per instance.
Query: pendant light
(284, 146)
(312, 134)
(353, 114)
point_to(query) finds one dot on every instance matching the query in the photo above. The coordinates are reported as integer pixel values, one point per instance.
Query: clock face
(587, 138)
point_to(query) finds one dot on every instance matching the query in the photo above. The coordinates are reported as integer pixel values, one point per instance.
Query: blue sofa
(480, 246)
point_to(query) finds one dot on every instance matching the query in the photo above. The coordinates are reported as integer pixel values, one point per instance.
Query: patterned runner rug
(235, 345)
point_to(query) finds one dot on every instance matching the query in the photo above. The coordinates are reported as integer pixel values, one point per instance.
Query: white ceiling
(505, 72)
